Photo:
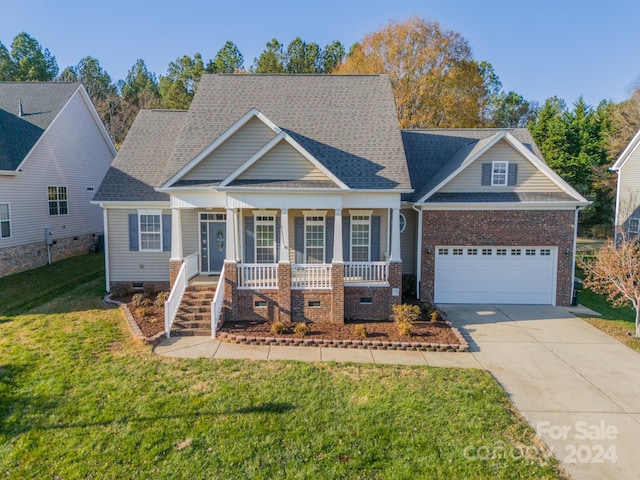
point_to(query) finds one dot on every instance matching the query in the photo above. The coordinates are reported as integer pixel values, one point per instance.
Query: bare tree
(615, 272)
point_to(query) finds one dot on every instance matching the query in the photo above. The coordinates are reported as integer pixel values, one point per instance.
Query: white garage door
(520, 275)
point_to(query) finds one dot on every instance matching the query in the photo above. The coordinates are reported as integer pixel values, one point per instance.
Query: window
(403, 222)
(458, 251)
(57, 200)
(499, 171)
(217, 217)
(443, 251)
(530, 252)
(545, 252)
(501, 251)
(515, 251)
(314, 238)
(5, 221)
(150, 228)
(360, 238)
(265, 238)
(486, 251)
(472, 251)
(634, 225)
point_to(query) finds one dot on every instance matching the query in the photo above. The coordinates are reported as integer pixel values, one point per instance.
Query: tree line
(436, 82)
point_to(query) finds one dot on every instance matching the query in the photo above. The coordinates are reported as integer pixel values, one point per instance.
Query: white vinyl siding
(529, 178)
(132, 266)
(73, 153)
(5, 220)
(236, 150)
(283, 162)
(190, 242)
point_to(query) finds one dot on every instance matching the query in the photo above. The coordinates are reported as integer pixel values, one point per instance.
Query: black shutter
(486, 174)
(166, 233)
(513, 174)
(329, 240)
(249, 241)
(133, 232)
(375, 239)
(298, 231)
(346, 236)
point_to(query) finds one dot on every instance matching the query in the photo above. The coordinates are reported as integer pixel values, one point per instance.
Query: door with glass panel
(213, 238)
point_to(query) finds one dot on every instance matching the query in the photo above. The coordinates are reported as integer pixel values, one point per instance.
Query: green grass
(78, 399)
(28, 289)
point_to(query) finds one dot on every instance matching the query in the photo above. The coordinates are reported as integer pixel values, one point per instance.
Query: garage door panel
(471, 277)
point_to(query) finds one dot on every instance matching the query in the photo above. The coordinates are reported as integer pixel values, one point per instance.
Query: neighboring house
(627, 221)
(54, 153)
(298, 192)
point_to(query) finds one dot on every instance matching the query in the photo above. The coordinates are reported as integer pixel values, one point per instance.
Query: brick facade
(31, 255)
(499, 227)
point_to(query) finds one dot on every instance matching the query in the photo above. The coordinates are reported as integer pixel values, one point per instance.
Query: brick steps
(194, 315)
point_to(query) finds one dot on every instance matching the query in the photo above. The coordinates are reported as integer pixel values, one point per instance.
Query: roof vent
(20, 112)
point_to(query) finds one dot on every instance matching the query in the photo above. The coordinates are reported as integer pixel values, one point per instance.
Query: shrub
(405, 313)
(405, 328)
(434, 316)
(278, 328)
(361, 331)
(161, 299)
(148, 290)
(142, 312)
(301, 329)
(137, 300)
(121, 290)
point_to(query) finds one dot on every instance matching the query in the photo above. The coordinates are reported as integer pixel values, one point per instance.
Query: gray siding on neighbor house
(529, 178)
(629, 189)
(72, 153)
(283, 162)
(408, 239)
(236, 150)
(132, 266)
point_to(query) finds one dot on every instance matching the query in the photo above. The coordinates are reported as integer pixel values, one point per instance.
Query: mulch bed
(425, 332)
(151, 323)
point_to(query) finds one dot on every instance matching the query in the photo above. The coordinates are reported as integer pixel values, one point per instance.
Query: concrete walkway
(198, 347)
(576, 386)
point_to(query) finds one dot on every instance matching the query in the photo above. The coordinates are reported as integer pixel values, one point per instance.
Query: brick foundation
(174, 269)
(31, 255)
(284, 292)
(504, 227)
(304, 308)
(230, 310)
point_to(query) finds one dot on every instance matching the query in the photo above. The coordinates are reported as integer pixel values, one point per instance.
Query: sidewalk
(205, 347)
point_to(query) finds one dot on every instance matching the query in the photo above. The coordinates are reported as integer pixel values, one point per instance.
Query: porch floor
(204, 280)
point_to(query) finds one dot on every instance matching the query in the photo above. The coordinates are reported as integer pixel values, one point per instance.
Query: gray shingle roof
(434, 154)
(139, 166)
(511, 197)
(41, 102)
(348, 122)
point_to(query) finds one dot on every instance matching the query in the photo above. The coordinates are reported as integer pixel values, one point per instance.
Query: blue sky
(539, 49)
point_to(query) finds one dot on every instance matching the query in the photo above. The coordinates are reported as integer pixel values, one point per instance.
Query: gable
(283, 162)
(233, 152)
(529, 178)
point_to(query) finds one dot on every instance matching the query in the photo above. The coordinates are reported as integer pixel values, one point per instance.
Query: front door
(213, 244)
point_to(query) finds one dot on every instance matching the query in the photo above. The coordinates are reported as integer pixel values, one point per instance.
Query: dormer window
(499, 174)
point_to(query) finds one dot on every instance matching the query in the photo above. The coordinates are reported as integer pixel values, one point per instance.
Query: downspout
(573, 259)
(106, 250)
(419, 251)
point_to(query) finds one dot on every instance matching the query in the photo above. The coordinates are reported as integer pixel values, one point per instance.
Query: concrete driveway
(576, 386)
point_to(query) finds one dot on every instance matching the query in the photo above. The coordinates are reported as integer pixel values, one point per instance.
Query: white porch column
(230, 254)
(284, 235)
(176, 234)
(338, 254)
(395, 236)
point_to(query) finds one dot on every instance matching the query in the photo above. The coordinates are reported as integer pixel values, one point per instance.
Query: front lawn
(79, 400)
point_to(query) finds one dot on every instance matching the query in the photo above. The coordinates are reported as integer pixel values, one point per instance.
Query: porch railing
(310, 276)
(366, 273)
(217, 304)
(257, 275)
(188, 269)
